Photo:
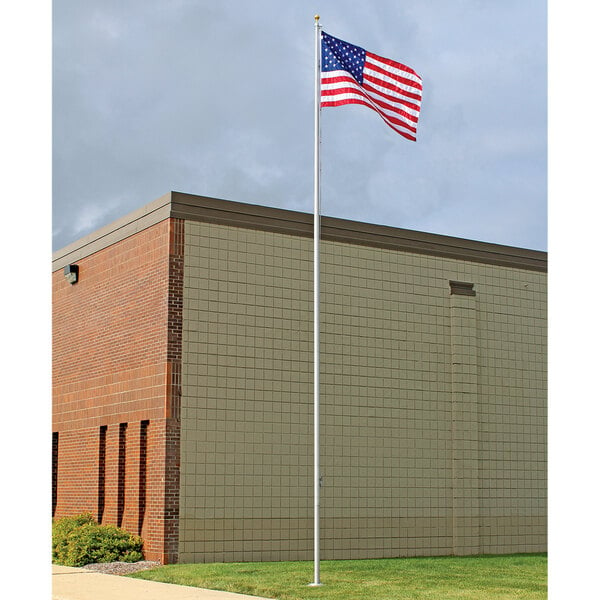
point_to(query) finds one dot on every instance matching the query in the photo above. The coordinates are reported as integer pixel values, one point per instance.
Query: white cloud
(91, 216)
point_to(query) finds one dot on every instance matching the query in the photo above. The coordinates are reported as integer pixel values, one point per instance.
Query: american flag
(351, 75)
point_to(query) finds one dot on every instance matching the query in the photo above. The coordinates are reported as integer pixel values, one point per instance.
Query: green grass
(522, 576)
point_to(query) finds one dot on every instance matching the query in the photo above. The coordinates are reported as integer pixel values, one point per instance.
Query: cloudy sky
(216, 99)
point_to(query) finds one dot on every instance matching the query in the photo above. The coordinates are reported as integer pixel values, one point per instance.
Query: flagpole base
(315, 584)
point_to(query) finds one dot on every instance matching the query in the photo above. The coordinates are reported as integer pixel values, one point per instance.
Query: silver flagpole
(316, 288)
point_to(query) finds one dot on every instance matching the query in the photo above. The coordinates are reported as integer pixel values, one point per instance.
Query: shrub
(61, 528)
(79, 540)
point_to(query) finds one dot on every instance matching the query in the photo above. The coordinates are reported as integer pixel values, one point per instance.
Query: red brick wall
(117, 360)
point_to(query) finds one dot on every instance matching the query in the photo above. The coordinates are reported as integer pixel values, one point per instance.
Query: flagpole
(316, 289)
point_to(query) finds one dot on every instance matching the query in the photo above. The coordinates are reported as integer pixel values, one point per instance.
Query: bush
(79, 540)
(61, 528)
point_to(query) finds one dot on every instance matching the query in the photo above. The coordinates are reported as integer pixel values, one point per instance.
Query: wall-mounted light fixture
(72, 273)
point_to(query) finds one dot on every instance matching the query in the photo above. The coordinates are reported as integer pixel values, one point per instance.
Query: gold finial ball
(317, 17)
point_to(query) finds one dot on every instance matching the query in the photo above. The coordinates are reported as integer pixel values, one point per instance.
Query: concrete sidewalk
(70, 583)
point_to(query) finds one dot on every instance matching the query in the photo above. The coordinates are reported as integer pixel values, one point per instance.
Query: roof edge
(224, 212)
(133, 222)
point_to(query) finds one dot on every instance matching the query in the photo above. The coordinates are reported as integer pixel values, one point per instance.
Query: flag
(351, 75)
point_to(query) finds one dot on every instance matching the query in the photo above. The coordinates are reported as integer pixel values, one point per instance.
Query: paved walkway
(70, 583)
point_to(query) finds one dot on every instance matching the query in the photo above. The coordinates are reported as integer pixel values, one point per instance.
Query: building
(182, 386)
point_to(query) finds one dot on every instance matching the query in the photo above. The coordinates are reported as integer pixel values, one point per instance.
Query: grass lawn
(522, 576)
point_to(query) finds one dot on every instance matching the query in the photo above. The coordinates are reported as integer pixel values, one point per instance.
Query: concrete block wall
(245, 446)
(424, 449)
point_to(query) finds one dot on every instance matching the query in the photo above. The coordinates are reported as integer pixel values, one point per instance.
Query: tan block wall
(433, 406)
(512, 338)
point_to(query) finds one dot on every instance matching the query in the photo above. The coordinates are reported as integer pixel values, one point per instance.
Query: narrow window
(121, 473)
(142, 479)
(54, 471)
(101, 472)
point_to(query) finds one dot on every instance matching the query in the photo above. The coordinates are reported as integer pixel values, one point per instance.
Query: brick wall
(115, 386)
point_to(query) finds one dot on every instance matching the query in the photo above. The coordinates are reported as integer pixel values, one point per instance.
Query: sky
(217, 99)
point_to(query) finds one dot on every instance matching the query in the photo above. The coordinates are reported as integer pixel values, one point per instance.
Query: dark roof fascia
(236, 214)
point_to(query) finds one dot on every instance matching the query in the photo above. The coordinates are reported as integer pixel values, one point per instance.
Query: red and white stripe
(391, 89)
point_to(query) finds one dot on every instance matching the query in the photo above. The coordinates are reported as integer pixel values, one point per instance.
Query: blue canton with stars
(337, 55)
